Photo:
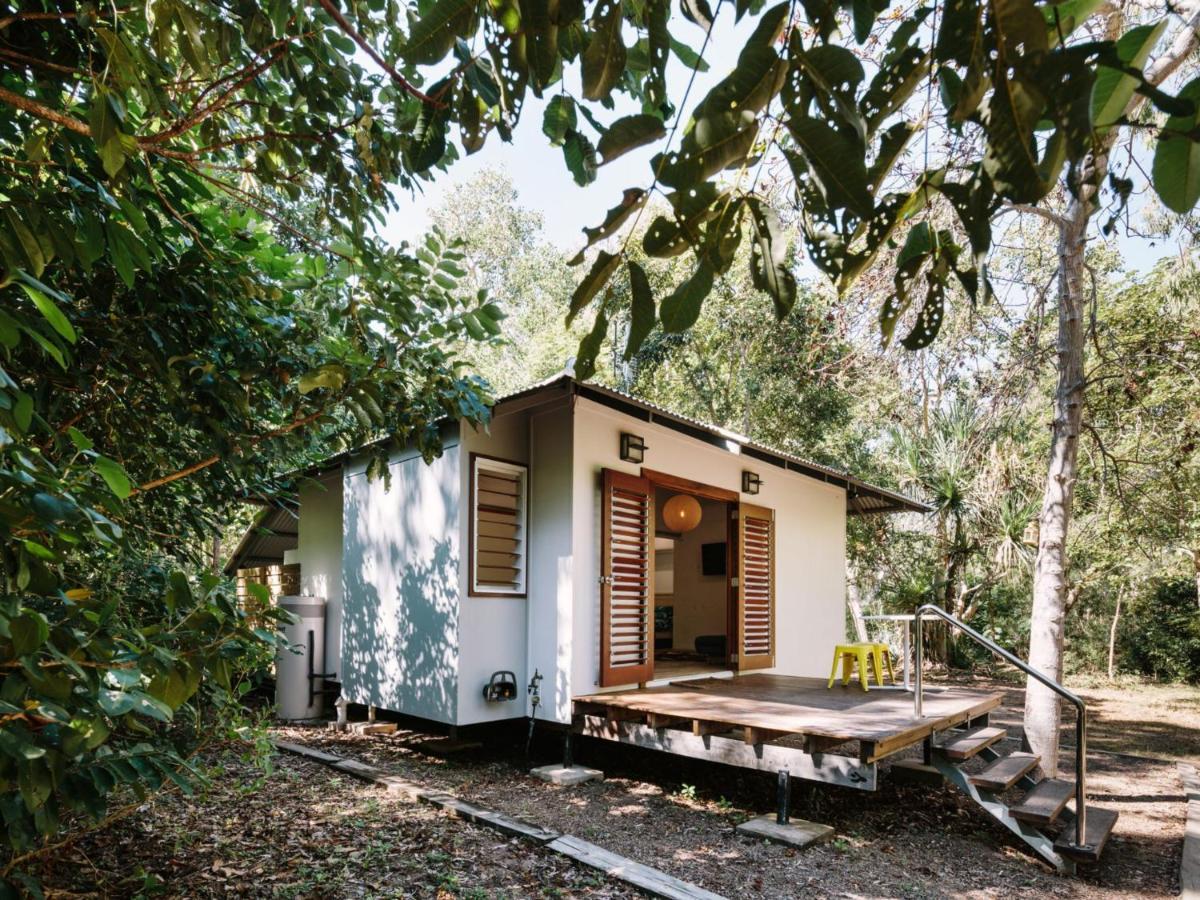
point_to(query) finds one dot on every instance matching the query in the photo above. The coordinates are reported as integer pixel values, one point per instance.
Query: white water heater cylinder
(297, 694)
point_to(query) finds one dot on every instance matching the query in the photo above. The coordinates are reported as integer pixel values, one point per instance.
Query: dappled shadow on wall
(400, 599)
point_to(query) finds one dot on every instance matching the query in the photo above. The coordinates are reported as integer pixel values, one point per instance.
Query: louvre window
(498, 527)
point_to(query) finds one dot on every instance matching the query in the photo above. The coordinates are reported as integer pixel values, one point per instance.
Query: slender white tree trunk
(1048, 615)
(1112, 637)
(1050, 570)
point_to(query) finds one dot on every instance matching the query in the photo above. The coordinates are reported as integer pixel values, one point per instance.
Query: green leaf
(768, 258)
(28, 632)
(79, 439)
(559, 119)
(715, 143)
(629, 133)
(688, 56)
(51, 312)
(331, 377)
(864, 19)
(604, 57)
(116, 703)
(151, 707)
(427, 145)
(836, 163)
(668, 237)
(658, 45)
(589, 347)
(642, 314)
(432, 36)
(1176, 171)
(682, 308)
(602, 270)
(23, 411)
(580, 156)
(632, 200)
(114, 476)
(697, 12)
(106, 133)
(541, 39)
(1113, 89)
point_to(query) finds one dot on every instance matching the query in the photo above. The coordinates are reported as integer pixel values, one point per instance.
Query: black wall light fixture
(750, 482)
(633, 447)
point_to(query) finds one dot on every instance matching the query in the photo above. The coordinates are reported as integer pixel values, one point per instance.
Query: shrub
(1162, 634)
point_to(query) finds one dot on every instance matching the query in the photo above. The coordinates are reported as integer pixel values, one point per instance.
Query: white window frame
(481, 464)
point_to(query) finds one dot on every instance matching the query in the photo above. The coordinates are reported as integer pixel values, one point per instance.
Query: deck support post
(783, 798)
(927, 750)
(568, 755)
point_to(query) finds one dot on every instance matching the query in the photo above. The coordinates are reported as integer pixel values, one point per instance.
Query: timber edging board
(648, 879)
(1189, 864)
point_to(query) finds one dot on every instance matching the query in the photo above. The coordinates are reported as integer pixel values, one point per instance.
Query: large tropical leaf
(631, 202)
(541, 40)
(1113, 89)
(671, 236)
(432, 35)
(602, 270)
(604, 58)
(768, 258)
(836, 163)
(589, 347)
(642, 314)
(629, 133)
(1176, 172)
(681, 309)
(715, 143)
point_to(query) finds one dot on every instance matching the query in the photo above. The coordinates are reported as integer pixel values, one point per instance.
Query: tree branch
(354, 35)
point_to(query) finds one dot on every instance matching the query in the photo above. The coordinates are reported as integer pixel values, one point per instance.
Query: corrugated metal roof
(862, 497)
(275, 529)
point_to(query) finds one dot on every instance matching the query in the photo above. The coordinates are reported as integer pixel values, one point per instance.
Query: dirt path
(305, 831)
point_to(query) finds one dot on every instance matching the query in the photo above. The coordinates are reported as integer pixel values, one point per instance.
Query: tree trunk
(1112, 637)
(1050, 569)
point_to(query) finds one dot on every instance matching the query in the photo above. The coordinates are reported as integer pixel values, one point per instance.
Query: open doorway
(691, 583)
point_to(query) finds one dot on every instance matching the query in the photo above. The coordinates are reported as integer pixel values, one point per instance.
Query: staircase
(1039, 815)
(1011, 790)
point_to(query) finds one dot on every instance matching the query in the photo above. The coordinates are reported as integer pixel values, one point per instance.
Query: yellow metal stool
(848, 654)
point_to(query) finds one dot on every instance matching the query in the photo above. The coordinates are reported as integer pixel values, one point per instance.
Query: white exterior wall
(401, 585)
(491, 630)
(810, 538)
(319, 553)
(551, 574)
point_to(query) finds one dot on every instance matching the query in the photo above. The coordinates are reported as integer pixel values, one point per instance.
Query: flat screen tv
(712, 559)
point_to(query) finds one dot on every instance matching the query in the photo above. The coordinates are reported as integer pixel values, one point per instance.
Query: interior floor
(676, 668)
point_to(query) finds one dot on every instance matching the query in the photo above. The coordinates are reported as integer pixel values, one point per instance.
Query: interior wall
(700, 601)
(319, 552)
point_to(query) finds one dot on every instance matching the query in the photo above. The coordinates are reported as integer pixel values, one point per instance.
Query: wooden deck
(768, 708)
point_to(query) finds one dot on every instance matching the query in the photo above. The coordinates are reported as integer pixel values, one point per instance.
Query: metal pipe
(783, 798)
(1073, 699)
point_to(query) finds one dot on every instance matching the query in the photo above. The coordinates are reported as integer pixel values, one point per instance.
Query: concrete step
(966, 744)
(1099, 828)
(1043, 804)
(1097, 833)
(1004, 772)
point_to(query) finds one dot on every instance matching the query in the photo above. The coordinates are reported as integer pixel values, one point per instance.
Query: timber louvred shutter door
(626, 580)
(756, 587)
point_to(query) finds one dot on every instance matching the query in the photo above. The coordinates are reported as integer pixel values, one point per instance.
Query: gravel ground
(305, 831)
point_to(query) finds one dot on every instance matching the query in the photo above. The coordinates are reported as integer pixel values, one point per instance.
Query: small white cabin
(596, 539)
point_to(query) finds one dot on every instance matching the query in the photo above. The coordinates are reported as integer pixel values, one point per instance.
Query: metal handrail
(1074, 699)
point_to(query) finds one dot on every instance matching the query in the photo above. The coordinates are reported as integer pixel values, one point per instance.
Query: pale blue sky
(544, 183)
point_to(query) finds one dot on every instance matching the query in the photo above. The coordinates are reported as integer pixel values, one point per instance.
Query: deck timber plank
(798, 706)
(660, 884)
(1004, 772)
(1043, 804)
